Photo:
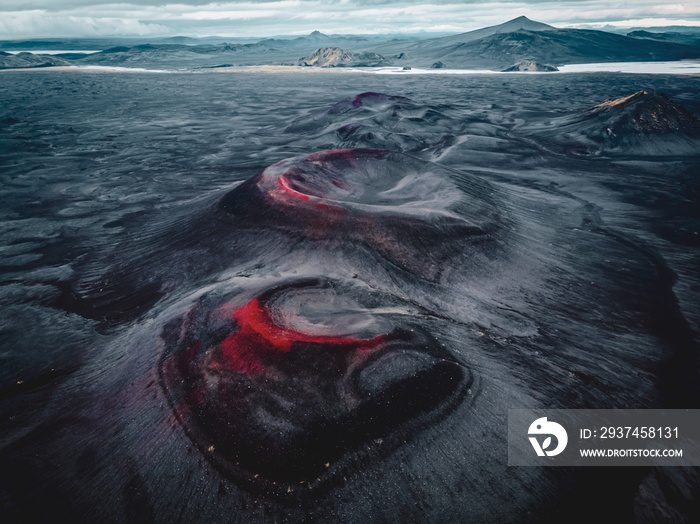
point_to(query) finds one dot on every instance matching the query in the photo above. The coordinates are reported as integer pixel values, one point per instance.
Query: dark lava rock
(644, 123)
(646, 112)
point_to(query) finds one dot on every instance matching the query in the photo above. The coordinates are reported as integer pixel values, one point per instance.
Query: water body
(54, 51)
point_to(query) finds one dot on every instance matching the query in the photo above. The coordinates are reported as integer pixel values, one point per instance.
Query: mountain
(522, 23)
(180, 40)
(33, 44)
(522, 39)
(494, 48)
(336, 57)
(315, 40)
(316, 36)
(562, 46)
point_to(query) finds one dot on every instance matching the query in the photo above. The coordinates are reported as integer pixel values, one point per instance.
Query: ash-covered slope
(430, 131)
(644, 123)
(377, 120)
(336, 57)
(26, 60)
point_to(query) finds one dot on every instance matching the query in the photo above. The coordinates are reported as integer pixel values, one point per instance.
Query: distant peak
(523, 22)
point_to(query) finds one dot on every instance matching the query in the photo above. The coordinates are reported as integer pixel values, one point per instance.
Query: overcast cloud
(92, 18)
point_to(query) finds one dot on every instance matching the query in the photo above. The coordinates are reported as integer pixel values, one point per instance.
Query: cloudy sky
(85, 18)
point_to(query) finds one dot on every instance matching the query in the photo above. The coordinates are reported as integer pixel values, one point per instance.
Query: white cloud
(671, 8)
(37, 23)
(246, 18)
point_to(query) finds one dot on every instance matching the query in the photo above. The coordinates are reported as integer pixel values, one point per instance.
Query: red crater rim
(259, 336)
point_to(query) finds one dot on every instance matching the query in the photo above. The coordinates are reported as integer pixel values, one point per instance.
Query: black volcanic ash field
(282, 297)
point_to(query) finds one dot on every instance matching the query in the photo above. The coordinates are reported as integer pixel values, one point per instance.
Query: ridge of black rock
(647, 112)
(643, 123)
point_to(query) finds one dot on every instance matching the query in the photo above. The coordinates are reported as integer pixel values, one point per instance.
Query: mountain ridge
(494, 48)
(522, 39)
